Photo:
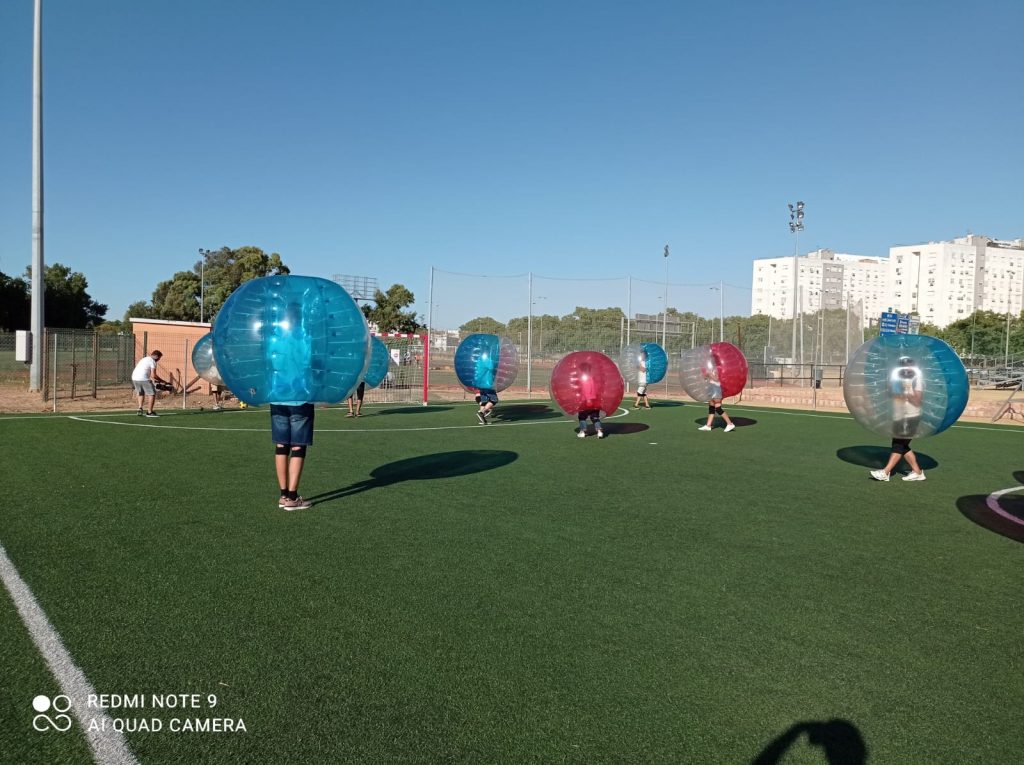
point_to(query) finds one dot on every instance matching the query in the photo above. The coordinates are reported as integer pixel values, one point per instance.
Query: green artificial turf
(511, 593)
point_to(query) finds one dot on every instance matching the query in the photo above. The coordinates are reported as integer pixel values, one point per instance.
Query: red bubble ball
(586, 380)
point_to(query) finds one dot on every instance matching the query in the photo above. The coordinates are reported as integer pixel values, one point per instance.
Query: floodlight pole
(721, 311)
(202, 283)
(38, 285)
(796, 225)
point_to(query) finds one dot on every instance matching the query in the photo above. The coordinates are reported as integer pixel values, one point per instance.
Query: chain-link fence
(81, 362)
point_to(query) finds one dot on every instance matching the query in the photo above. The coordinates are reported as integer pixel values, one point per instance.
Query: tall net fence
(404, 383)
(547, 318)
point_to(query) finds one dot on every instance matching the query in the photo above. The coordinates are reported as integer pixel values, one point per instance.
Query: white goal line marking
(108, 745)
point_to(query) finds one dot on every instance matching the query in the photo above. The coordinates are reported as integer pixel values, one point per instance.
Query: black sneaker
(140, 411)
(152, 414)
(481, 418)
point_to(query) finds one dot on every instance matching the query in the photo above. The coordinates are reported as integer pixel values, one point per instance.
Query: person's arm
(154, 377)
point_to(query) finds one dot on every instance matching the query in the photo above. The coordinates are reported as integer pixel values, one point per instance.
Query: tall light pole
(796, 225)
(721, 313)
(540, 349)
(38, 321)
(664, 315)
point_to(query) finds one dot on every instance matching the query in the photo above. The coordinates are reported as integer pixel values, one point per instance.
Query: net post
(425, 339)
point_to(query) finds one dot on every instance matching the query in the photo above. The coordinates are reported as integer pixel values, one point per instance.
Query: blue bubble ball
(291, 340)
(636, 356)
(486, 362)
(905, 386)
(380, 363)
(203, 361)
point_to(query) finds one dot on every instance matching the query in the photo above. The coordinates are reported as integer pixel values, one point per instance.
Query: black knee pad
(281, 449)
(719, 410)
(711, 409)
(299, 451)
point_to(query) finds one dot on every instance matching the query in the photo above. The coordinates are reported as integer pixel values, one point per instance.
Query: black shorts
(901, 445)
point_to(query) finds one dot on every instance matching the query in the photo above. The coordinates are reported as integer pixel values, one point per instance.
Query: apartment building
(946, 281)
(939, 281)
(820, 279)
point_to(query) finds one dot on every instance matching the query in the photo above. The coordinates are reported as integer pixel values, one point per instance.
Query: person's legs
(295, 463)
(581, 430)
(900, 448)
(300, 425)
(351, 412)
(729, 424)
(360, 392)
(141, 397)
(711, 417)
(596, 419)
(150, 403)
(281, 468)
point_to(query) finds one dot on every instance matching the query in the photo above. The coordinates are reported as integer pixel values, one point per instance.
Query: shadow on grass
(411, 409)
(719, 423)
(428, 466)
(876, 456)
(624, 428)
(524, 412)
(1003, 515)
(839, 740)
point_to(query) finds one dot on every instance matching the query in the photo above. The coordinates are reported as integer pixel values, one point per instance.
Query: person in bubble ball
(641, 383)
(715, 404)
(907, 391)
(591, 409)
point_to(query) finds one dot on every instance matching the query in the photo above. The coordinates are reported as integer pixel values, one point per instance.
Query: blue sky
(569, 139)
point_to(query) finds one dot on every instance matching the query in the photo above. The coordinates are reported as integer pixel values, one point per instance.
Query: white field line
(476, 426)
(107, 744)
(993, 504)
(782, 412)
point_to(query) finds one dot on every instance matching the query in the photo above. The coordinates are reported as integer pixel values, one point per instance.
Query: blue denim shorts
(291, 424)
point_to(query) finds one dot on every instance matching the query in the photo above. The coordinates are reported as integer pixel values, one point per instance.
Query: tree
(67, 304)
(15, 307)
(182, 298)
(387, 313)
(483, 324)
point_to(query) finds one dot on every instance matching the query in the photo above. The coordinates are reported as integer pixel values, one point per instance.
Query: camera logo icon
(59, 721)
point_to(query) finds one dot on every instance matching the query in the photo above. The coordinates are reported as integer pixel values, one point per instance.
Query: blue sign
(903, 324)
(888, 324)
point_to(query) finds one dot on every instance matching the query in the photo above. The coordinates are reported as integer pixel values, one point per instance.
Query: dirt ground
(16, 399)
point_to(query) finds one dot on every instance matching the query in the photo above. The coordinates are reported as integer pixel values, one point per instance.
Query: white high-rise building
(820, 279)
(939, 281)
(943, 282)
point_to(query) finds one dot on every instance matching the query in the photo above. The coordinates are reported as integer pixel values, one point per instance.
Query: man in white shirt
(144, 377)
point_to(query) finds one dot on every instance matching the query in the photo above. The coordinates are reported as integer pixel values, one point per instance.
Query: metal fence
(81, 362)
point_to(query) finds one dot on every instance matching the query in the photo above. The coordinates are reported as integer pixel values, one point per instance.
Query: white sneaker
(914, 476)
(600, 434)
(581, 434)
(704, 427)
(880, 475)
(730, 426)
